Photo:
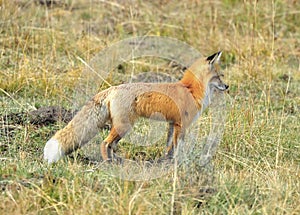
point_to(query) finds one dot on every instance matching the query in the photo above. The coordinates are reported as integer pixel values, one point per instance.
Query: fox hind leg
(110, 142)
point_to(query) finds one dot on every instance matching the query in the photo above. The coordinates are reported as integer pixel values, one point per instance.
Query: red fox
(178, 103)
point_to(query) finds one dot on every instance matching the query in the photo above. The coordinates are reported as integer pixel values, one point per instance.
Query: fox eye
(218, 75)
(215, 77)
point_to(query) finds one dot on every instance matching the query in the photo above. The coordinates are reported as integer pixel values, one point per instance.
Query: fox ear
(215, 58)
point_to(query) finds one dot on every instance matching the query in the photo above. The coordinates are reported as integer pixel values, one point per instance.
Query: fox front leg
(170, 134)
(177, 132)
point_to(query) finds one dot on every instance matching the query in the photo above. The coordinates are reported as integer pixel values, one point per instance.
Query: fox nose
(226, 87)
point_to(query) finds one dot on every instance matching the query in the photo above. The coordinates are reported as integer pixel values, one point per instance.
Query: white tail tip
(52, 151)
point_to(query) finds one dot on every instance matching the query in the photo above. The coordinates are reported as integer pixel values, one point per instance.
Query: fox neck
(197, 86)
(207, 98)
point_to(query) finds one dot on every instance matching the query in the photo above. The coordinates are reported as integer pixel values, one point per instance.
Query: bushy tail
(80, 130)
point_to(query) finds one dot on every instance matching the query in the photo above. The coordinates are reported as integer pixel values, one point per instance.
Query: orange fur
(168, 102)
(194, 85)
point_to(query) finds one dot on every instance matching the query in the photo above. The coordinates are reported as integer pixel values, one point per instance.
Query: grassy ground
(257, 166)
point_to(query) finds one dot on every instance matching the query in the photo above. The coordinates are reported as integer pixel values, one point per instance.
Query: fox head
(213, 75)
(207, 71)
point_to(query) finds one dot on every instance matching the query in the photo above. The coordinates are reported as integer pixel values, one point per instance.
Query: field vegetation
(256, 169)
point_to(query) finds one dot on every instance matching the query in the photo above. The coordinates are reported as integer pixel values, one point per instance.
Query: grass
(257, 166)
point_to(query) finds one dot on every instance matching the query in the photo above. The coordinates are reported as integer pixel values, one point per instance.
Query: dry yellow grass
(257, 165)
